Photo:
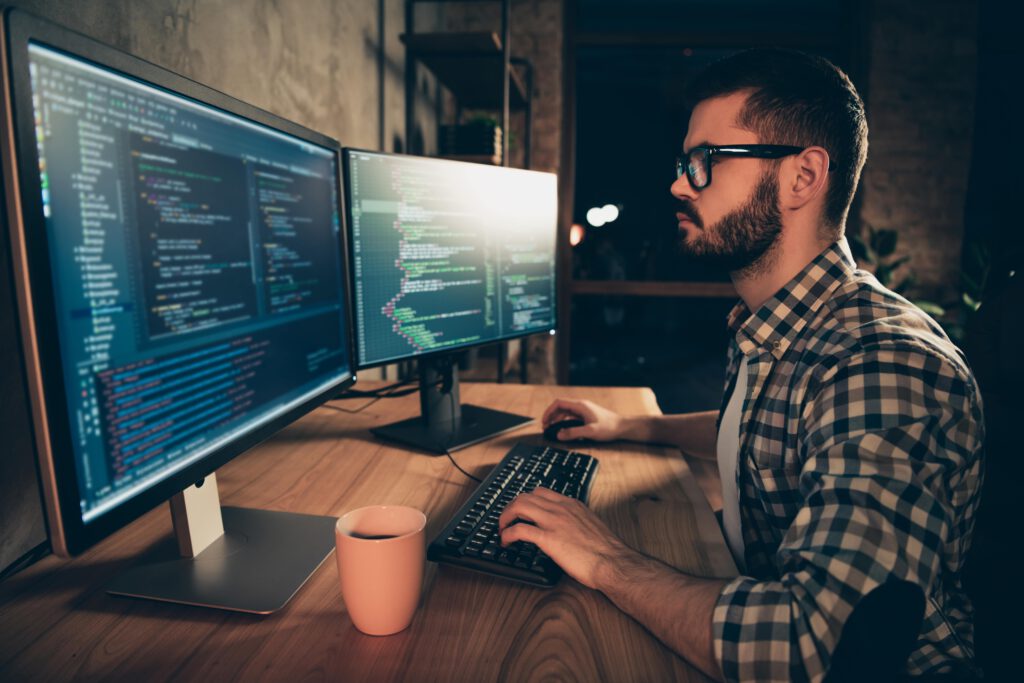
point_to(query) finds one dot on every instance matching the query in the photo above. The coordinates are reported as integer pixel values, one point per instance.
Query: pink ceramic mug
(381, 553)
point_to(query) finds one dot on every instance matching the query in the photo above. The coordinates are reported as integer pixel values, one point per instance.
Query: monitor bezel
(347, 153)
(69, 534)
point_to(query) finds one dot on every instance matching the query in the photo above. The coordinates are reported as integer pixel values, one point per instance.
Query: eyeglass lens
(697, 167)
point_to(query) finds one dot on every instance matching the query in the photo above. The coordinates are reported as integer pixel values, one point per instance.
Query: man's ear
(806, 178)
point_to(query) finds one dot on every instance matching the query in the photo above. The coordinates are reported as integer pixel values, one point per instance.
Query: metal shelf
(480, 72)
(470, 65)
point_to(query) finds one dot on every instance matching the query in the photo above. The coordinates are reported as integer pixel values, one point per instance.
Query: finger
(559, 409)
(518, 509)
(556, 416)
(561, 405)
(550, 411)
(570, 433)
(546, 494)
(526, 507)
(523, 532)
(523, 512)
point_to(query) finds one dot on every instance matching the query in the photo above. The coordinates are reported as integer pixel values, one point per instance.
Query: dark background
(945, 145)
(630, 123)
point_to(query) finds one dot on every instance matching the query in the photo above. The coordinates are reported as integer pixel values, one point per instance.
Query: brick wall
(537, 35)
(920, 94)
(537, 28)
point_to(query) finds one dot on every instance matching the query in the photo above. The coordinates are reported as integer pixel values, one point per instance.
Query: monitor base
(260, 562)
(475, 424)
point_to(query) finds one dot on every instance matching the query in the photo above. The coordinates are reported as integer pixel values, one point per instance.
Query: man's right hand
(600, 424)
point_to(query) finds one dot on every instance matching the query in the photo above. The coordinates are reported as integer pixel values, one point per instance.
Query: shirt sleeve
(886, 432)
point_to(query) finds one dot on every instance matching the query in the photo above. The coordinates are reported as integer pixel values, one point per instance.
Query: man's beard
(742, 241)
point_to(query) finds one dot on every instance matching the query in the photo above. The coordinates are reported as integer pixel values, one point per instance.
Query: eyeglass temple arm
(766, 153)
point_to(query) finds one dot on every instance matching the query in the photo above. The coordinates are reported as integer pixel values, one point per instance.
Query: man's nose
(681, 188)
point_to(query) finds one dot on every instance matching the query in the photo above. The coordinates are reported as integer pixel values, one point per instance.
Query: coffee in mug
(381, 551)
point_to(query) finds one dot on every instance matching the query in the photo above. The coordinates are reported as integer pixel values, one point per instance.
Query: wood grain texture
(56, 623)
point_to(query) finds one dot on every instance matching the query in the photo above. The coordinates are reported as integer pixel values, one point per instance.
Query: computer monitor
(447, 255)
(182, 281)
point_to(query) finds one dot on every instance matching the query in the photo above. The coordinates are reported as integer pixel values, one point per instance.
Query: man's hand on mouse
(567, 530)
(600, 424)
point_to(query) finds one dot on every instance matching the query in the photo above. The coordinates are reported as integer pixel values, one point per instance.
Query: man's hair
(797, 99)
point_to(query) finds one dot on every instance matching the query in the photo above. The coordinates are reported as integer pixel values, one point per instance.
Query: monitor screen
(447, 254)
(195, 273)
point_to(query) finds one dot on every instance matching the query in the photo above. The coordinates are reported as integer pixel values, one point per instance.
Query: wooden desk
(56, 623)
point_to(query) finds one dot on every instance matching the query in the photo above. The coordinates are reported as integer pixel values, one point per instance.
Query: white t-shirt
(728, 450)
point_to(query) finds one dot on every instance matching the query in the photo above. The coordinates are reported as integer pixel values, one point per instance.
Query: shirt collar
(780, 319)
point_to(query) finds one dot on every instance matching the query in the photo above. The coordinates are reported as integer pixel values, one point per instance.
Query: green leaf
(956, 333)
(969, 282)
(931, 308)
(859, 249)
(899, 262)
(904, 285)
(873, 256)
(884, 242)
(971, 303)
(979, 255)
(884, 274)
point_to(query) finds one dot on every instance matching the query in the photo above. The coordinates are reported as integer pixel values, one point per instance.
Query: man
(850, 438)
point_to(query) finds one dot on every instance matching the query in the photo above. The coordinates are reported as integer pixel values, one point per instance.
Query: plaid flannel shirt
(860, 462)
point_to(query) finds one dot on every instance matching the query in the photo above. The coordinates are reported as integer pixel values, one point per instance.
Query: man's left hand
(567, 530)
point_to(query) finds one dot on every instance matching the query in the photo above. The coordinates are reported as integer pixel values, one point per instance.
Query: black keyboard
(471, 538)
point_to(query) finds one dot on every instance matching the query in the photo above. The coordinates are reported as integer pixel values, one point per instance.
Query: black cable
(451, 408)
(394, 393)
(29, 558)
(357, 410)
(449, 454)
(444, 383)
(391, 394)
(373, 393)
(451, 434)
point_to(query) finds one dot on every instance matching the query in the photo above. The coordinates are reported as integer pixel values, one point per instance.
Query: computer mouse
(551, 431)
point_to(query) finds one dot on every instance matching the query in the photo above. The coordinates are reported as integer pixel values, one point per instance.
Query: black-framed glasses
(697, 162)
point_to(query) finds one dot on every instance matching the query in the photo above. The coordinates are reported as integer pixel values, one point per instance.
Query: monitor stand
(238, 559)
(444, 424)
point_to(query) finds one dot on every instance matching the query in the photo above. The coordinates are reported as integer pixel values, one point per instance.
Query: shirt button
(776, 344)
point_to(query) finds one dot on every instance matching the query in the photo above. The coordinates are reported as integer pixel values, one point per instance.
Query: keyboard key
(476, 536)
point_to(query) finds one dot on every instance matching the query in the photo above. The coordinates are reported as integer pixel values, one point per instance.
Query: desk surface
(57, 623)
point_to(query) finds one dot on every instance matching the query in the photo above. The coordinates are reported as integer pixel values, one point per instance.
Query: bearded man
(849, 440)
